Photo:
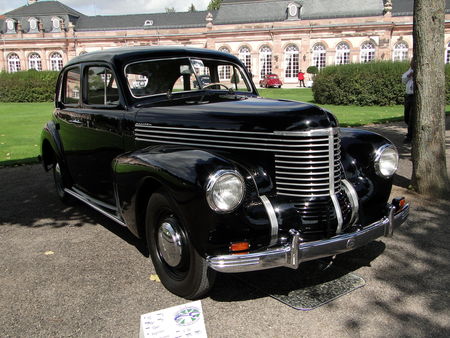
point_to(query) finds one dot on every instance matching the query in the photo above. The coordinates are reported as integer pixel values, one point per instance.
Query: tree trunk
(428, 147)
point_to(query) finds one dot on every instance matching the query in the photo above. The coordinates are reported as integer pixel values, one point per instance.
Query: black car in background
(212, 176)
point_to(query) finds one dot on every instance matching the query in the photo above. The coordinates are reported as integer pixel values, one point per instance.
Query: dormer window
(148, 23)
(10, 26)
(33, 25)
(293, 10)
(56, 24)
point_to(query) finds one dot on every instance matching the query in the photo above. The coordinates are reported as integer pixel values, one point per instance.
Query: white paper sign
(176, 322)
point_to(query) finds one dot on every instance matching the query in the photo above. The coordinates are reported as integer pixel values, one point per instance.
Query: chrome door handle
(75, 121)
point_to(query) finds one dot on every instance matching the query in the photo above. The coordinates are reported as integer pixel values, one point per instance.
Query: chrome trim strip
(171, 137)
(320, 132)
(337, 209)
(171, 132)
(94, 206)
(272, 218)
(331, 167)
(228, 147)
(94, 200)
(353, 196)
(336, 205)
(295, 252)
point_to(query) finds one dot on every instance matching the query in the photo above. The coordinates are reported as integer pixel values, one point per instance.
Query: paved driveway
(68, 271)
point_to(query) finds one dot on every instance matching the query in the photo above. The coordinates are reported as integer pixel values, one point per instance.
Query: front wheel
(180, 268)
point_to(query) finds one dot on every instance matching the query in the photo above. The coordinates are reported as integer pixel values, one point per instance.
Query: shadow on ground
(407, 276)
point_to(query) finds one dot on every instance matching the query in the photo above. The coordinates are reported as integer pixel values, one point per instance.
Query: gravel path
(68, 271)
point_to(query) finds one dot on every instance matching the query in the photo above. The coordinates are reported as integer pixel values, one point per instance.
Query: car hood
(230, 112)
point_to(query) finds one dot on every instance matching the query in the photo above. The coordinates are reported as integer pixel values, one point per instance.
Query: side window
(71, 94)
(101, 87)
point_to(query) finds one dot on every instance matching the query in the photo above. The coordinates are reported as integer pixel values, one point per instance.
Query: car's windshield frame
(243, 73)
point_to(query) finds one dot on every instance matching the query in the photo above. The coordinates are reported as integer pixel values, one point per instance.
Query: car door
(91, 129)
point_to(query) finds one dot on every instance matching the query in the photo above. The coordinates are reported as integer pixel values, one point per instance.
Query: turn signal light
(399, 202)
(239, 246)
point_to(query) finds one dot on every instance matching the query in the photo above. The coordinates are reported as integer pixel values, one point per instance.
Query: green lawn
(21, 123)
(20, 129)
(347, 115)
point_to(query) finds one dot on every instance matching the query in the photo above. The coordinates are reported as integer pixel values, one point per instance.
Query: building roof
(133, 21)
(320, 9)
(406, 7)
(40, 8)
(247, 11)
(251, 11)
(230, 12)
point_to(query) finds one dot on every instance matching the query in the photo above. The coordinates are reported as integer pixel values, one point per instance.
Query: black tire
(60, 179)
(180, 268)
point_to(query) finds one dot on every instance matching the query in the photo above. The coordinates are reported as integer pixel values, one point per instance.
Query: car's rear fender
(51, 146)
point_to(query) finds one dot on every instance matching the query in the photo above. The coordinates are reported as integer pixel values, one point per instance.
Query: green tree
(192, 8)
(428, 147)
(170, 9)
(214, 5)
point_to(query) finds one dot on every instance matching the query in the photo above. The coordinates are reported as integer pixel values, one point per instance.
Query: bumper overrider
(292, 254)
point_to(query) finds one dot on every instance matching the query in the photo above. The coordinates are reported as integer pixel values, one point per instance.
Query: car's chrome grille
(307, 164)
(314, 173)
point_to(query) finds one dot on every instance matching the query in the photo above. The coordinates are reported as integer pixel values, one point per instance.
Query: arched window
(34, 61)
(224, 71)
(13, 63)
(56, 61)
(319, 55)
(265, 60)
(447, 53)
(342, 53)
(246, 57)
(291, 62)
(367, 52)
(400, 52)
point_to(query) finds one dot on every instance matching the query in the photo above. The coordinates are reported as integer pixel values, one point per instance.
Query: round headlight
(386, 160)
(225, 190)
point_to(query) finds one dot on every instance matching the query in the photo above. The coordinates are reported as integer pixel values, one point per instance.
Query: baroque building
(269, 36)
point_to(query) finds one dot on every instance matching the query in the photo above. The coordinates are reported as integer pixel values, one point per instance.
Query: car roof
(132, 54)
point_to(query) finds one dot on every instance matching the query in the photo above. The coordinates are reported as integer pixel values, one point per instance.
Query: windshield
(167, 76)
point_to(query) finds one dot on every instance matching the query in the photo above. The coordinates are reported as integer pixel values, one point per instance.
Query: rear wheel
(180, 268)
(60, 179)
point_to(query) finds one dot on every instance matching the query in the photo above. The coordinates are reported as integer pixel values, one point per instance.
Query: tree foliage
(214, 5)
(170, 9)
(192, 8)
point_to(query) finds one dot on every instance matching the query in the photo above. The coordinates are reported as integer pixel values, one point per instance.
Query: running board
(85, 199)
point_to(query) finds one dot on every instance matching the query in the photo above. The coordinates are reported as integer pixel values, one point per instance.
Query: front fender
(358, 148)
(183, 173)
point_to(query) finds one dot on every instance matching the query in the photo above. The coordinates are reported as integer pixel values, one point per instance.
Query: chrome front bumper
(295, 252)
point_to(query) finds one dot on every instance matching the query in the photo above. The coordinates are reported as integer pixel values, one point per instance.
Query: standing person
(301, 78)
(408, 80)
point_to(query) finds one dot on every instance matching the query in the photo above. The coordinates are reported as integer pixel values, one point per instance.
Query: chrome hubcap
(169, 244)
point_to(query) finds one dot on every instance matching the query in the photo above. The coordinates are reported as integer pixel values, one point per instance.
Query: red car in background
(270, 80)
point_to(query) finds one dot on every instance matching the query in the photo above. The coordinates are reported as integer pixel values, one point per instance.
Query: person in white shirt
(408, 80)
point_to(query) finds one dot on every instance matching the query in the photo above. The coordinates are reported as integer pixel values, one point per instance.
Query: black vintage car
(212, 176)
